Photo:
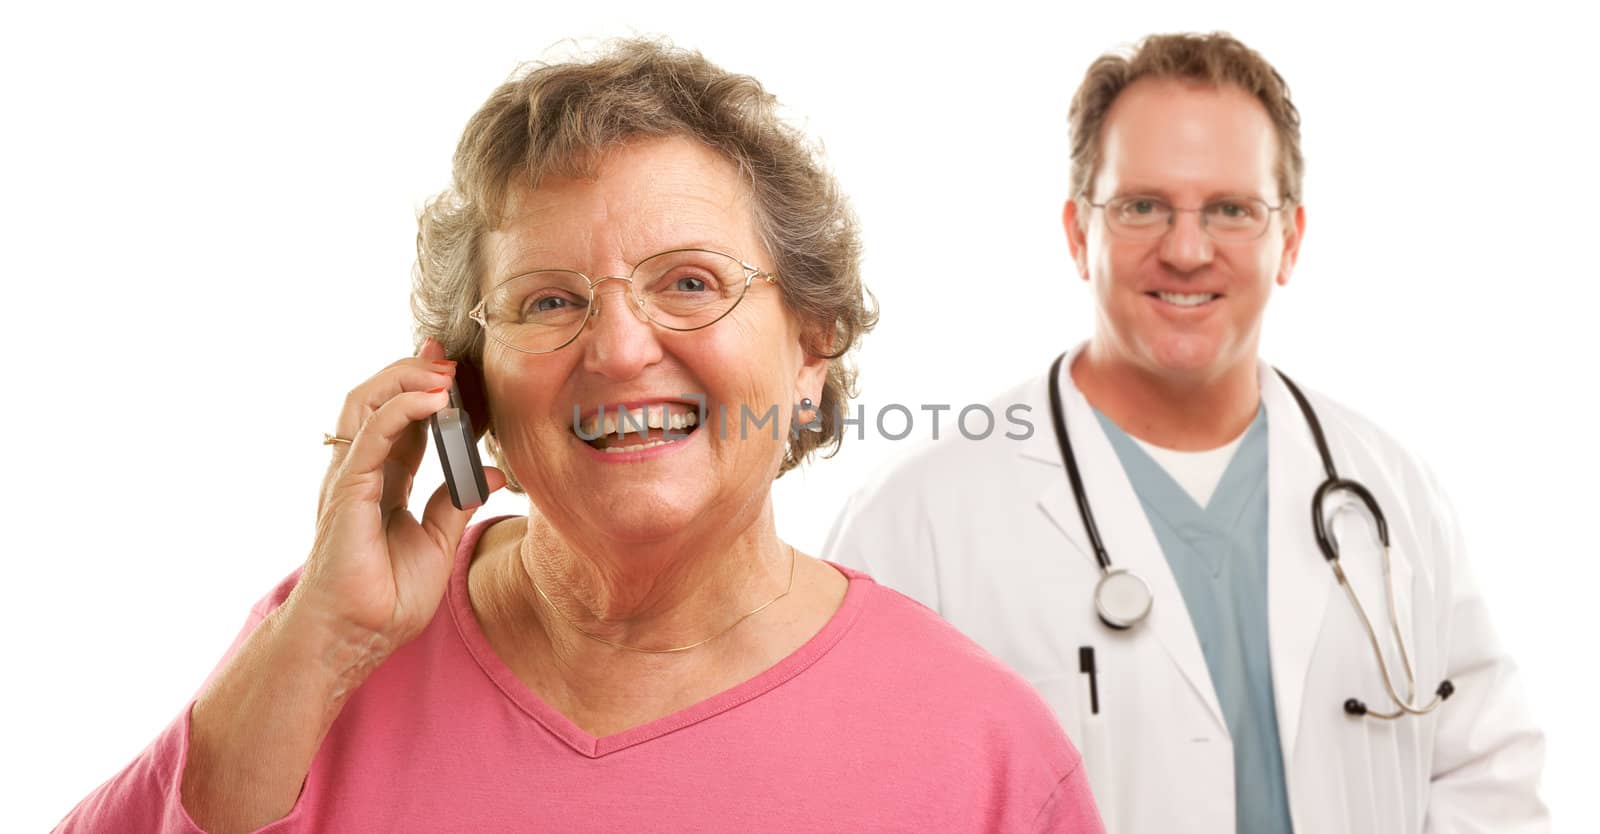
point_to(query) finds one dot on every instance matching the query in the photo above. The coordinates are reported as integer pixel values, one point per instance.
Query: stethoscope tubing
(1059, 420)
(1326, 543)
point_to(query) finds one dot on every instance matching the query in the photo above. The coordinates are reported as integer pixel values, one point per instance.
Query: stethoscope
(1122, 599)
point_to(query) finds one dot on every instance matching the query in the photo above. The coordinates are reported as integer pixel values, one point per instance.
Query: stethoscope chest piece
(1122, 599)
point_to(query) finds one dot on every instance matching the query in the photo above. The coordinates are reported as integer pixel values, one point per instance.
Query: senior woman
(641, 652)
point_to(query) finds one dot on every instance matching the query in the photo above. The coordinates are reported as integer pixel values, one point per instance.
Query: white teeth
(1194, 299)
(610, 449)
(634, 421)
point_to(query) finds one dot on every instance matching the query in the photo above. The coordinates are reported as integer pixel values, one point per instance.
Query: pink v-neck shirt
(886, 720)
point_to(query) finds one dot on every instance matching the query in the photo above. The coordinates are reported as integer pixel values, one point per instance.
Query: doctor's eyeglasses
(1229, 220)
(681, 289)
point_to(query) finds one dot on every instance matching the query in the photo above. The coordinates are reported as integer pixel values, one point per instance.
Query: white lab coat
(987, 534)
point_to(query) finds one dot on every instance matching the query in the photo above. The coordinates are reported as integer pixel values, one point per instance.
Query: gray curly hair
(558, 119)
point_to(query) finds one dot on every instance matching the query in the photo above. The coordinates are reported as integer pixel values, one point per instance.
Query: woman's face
(650, 196)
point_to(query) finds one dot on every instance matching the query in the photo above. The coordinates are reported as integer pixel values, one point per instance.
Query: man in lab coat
(1224, 708)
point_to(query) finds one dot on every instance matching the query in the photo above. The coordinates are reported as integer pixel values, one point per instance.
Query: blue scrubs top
(1218, 554)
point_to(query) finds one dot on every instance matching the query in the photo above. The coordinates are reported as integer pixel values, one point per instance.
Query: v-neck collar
(460, 602)
(1161, 493)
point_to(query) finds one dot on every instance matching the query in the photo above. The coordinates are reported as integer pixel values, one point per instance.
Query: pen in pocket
(1086, 666)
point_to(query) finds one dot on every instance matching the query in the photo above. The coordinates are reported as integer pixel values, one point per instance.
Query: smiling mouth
(1185, 299)
(639, 428)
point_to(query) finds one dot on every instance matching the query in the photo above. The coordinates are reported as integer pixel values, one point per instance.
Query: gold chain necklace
(592, 636)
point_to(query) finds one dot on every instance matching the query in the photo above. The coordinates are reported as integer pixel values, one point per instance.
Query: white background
(208, 220)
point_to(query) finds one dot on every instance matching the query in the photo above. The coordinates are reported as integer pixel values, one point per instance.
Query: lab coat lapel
(1299, 582)
(1124, 529)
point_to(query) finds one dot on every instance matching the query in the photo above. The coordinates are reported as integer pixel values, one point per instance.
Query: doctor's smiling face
(1176, 302)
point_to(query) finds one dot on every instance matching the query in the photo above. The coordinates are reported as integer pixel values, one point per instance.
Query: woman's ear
(815, 344)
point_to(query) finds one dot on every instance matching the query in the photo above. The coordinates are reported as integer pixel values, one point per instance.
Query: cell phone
(456, 439)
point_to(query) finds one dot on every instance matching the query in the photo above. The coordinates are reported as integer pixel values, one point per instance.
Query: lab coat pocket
(1071, 700)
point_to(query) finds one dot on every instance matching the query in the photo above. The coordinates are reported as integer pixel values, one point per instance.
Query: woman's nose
(623, 341)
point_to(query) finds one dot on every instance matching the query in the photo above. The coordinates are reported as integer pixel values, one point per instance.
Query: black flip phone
(455, 436)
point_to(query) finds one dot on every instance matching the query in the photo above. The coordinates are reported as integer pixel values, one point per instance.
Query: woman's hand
(373, 581)
(376, 573)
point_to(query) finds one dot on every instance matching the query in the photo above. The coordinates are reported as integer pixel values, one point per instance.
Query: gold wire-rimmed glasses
(1226, 219)
(544, 310)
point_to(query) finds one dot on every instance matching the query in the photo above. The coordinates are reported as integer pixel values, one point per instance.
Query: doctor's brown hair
(559, 119)
(1215, 59)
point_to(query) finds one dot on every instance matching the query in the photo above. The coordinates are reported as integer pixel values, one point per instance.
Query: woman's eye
(550, 304)
(689, 284)
(1142, 206)
(1233, 211)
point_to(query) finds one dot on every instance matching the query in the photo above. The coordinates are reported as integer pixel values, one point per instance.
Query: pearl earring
(815, 423)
